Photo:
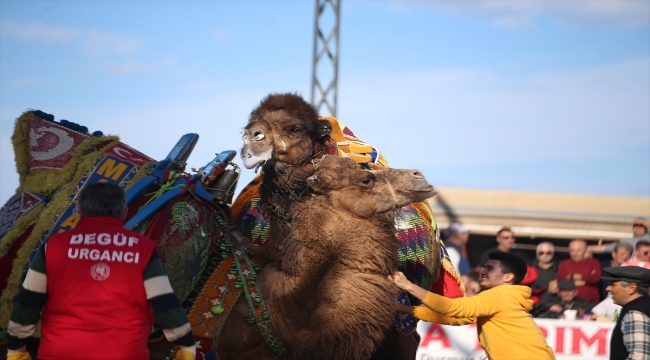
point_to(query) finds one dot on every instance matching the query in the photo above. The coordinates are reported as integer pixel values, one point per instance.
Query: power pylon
(326, 45)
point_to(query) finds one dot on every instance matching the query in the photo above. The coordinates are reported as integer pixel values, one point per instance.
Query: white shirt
(607, 308)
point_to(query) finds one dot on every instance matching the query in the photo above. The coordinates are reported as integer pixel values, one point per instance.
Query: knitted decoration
(253, 225)
(185, 231)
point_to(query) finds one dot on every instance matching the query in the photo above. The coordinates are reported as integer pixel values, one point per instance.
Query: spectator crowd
(571, 288)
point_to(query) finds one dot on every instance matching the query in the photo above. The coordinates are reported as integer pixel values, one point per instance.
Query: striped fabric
(169, 312)
(28, 303)
(636, 335)
(32, 298)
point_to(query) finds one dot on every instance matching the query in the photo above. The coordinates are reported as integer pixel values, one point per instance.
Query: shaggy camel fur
(328, 296)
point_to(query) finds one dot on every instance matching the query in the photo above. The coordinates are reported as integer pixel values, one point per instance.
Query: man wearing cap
(622, 253)
(456, 237)
(629, 288)
(567, 300)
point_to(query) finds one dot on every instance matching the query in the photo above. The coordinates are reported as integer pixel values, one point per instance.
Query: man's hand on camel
(400, 280)
(405, 309)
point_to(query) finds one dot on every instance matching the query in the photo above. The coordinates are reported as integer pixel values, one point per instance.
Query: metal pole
(326, 96)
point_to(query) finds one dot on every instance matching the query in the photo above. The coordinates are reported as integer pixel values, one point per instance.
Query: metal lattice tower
(326, 45)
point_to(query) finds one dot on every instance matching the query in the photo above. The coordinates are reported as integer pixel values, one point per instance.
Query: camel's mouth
(252, 160)
(427, 189)
(424, 191)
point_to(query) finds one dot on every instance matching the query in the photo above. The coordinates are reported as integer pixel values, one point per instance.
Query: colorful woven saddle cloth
(233, 277)
(54, 160)
(187, 231)
(421, 253)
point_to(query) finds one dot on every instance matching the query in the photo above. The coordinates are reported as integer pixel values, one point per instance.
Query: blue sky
(548, 96)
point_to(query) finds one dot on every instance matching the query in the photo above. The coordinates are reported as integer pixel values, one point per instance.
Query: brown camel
(285, 137)
(328, 296)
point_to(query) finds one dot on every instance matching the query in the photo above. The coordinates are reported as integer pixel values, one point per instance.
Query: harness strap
(253, 294)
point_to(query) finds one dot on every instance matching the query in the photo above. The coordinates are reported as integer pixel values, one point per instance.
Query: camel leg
(397, 346)
(240, 340)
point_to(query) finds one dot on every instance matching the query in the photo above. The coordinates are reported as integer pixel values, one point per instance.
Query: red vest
(96, 303)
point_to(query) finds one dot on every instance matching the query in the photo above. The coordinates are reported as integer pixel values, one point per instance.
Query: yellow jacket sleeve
(485, 303)
(426, 314)
(19, 355)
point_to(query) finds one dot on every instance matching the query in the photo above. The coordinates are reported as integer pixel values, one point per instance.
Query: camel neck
(282, 186)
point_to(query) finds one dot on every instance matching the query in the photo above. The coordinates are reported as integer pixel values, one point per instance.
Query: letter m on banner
(599, 338)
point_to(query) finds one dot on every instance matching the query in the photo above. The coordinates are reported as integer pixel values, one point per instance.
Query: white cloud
(515, 13)
(38, 31)
(96, 42)
(92, 42)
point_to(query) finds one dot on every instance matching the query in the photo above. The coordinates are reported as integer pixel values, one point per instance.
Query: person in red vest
(583, 271)
(97, 285)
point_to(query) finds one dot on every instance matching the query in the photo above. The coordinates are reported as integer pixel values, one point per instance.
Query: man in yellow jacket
(505, 328)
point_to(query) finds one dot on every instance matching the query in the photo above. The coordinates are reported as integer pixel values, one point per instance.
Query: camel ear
(324, 130)
(316, 185)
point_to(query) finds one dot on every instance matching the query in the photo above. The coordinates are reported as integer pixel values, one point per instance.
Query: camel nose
(417, 174)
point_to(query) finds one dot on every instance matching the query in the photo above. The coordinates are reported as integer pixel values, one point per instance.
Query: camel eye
(295, 129)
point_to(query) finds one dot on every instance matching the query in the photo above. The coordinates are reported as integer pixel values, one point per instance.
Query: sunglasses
(546, 253)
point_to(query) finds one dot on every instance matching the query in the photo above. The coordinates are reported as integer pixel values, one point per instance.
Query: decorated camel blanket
(55, 159)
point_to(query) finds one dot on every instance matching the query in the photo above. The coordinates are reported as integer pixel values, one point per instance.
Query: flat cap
(455, 228)
(632, 274)
(566, 285)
